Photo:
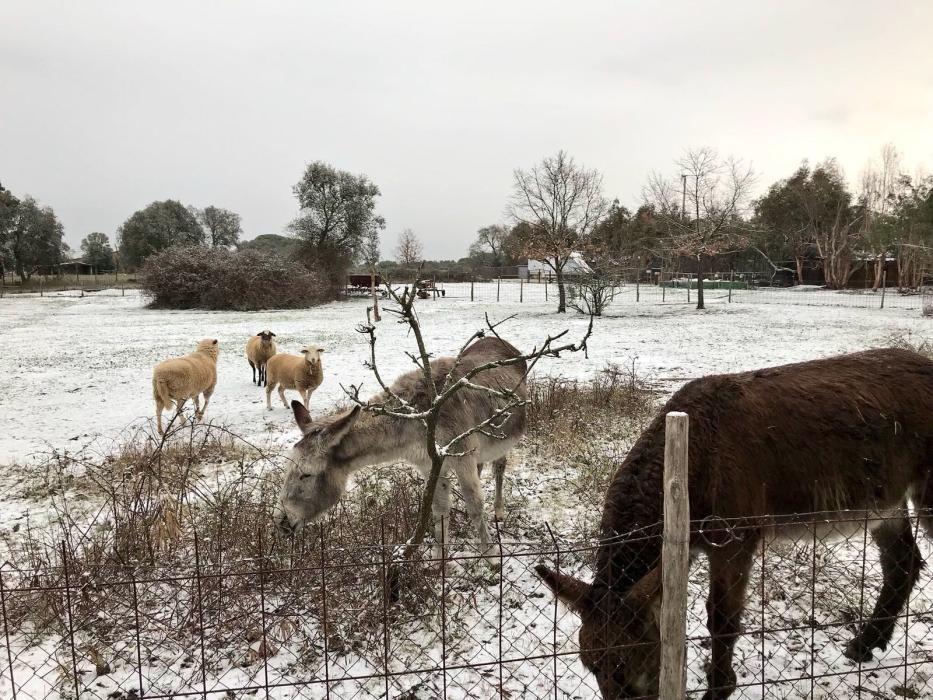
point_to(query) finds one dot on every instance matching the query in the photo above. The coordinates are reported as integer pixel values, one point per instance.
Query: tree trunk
(699, 283)
(799, 260)
(561, 292)
(879, 270)
(372, 288)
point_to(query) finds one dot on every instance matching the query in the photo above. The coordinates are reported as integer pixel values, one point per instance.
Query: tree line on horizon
(700, 214)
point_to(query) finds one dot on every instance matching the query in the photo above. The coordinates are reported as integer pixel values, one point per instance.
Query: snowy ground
(77, 370)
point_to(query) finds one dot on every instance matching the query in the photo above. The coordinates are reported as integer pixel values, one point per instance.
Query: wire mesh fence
(659, 287)
(318, 623)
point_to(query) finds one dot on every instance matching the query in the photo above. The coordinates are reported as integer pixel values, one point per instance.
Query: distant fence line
(630, 287)
(682, 289)
(104, 280)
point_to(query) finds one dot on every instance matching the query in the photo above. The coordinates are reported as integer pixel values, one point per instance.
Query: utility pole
(683, 200)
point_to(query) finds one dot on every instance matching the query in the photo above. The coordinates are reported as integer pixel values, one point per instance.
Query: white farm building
(576, 265)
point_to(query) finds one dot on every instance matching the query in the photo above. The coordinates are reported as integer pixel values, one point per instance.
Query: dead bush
(910, 341)
(589, 424)
(215, 278)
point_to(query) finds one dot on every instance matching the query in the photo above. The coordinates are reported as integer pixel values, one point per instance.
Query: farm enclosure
(85, 372)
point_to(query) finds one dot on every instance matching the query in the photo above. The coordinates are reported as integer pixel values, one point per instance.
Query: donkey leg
(728, 577)
(472, 491)
(499, 466)
(440, 509)
(900, 566)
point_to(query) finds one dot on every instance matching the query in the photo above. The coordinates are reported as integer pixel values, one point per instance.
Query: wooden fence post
(675, 557)
(521, 290)
(637, 287)
(472, 280)
(731, 281)
(884, 284)
(498, 282)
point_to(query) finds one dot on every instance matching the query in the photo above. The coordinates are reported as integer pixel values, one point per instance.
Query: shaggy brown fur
(850, 433)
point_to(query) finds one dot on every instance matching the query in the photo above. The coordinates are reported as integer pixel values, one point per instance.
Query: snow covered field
(77, 370)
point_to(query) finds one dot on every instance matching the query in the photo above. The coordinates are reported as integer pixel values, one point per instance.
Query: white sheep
(303, 374)
(183, 378)
(259, 349)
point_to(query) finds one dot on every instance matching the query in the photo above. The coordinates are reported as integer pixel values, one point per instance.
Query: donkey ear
(645, 595)
(572, 592)
(338, 430)
(302, 417)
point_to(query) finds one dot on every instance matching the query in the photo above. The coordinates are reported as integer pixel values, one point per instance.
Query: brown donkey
(847, 437)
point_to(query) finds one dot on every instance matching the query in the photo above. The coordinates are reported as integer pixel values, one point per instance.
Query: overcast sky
(108, 106)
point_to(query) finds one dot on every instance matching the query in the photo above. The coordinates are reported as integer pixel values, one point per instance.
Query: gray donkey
(336, 446)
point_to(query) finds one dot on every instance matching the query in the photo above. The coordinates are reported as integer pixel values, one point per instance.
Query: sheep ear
(337, 431)
(272, 334)
(215, 341)
(259, 335)
(302, 417)
(320, 349)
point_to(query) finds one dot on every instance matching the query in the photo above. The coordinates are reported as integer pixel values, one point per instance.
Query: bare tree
(409, 250)
(440, 390)
(716, 191)
(877, 198)
(557, 204)
(371, 254)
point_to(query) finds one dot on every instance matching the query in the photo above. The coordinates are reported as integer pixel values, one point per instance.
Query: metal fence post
(498, 283)
(9, 649)
(71, 630)
(521, 290)
(637, 288)
(675, 558)
(472, 280)
(731, 281)
(884, 285)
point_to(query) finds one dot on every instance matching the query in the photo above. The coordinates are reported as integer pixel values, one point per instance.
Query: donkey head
(316, 476)
(620, 635)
